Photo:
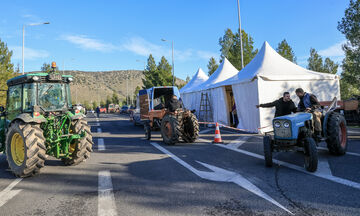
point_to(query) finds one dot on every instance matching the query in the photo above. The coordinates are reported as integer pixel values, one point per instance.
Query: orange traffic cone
(217, 138)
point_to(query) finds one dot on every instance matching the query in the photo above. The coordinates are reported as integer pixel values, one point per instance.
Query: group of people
(308, 103)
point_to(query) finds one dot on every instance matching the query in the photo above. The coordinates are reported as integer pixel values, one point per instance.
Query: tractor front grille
(282, 132)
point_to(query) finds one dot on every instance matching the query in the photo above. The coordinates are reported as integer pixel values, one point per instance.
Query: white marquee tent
(264, 80)
(199, 78)
(217, 96)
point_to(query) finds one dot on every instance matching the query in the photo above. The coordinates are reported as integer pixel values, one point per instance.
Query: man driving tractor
(173, 104)
(309, 103)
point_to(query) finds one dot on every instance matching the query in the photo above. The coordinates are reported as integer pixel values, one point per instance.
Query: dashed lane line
(8, 193)
(99, 130)
(106, 199)
(101, 145)
(348, 153)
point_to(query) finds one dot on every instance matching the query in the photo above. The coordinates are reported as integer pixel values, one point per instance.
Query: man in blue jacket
(309, 103)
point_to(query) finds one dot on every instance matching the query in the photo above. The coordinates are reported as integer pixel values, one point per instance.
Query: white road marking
(222, 175)
(301, 169)
(8, 193)
(96, 125)
(323, 167)
(238, 142)
(101, 145)
(353, 131)
(106, 199)
(99, 130)
(347, 153)
(97, 119)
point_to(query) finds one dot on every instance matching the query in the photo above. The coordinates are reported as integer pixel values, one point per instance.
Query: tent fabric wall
(246, 98)
(218, 105)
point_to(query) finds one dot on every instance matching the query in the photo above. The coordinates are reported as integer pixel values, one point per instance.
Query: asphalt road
(128, 175)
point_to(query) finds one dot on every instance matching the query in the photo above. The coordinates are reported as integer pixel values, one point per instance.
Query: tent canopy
(199, 78)
(223, 72)
(271, 66)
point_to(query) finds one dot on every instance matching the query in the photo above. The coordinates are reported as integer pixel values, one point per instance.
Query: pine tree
(163, 74)
(6, 70)
(94, 105)
(150, 72)
(315, 61)
(108, 100)
(350, 27)
(231, 48)
(212, 66)
(115, 98)
(286, 51)
(187, 80)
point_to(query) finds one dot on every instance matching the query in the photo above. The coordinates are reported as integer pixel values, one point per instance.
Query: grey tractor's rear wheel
(311, 156)
(268, 151)
(191, 129)
(25, 148)
(170, 129)
(79, 149)
(336, 134)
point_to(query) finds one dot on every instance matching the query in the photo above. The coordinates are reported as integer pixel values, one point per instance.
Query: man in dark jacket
(173, 104)
(309, 103)
(283, 106)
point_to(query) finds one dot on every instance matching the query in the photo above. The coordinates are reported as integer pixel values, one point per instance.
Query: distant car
(135, 116)
(124, 109)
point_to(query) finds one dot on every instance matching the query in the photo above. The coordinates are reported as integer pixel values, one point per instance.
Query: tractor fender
(27, 118)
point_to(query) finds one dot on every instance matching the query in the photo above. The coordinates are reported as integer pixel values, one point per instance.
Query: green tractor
(39, 120)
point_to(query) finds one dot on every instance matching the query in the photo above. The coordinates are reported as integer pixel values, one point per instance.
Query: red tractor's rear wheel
(170, 129)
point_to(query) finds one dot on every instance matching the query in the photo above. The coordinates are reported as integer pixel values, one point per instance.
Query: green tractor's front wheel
(25, 148)
(79, 149)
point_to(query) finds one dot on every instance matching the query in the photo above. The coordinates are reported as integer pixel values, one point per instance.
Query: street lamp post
(241, 44)
(23, 40)
(172, 45)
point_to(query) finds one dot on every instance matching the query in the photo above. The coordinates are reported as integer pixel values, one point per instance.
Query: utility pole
(240, 35)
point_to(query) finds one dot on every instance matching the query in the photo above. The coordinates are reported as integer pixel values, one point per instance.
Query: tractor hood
(297, 117)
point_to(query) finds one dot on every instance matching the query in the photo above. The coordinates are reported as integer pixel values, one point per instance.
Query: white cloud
(140, 46)
(333, 51)
(87, 43)
(29, 53)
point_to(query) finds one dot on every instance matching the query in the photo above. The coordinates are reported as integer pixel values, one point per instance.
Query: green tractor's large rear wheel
(79, 149)
(25, 148)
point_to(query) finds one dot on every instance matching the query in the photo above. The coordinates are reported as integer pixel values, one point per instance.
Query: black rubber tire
(191, 129)
(34, 148)
(175, 127)
(336, 144)
(83, 146)
(310, 155)
(268, 151)
(147, 130)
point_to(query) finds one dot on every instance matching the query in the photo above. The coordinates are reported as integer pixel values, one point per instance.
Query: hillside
(96, 86)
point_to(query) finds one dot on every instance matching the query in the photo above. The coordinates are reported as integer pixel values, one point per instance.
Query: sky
(120, 34)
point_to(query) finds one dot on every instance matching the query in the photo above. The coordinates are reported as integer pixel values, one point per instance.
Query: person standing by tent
(283, 106)
(309, 103)
(98, 111)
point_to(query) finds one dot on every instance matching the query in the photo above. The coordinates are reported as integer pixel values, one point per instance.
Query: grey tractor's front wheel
(170, 129)
(79, 149)
(336, 134)
(191, 129)
(268, 151)
(311, 156)
(25, 148)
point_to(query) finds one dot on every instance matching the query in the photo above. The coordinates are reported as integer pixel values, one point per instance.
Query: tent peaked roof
(269, 65)
(223, 72)
(199, 78)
